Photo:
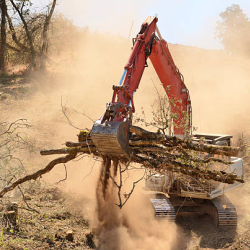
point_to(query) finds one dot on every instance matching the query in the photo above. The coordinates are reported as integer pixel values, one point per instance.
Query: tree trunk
(28, 33)
(45, 35)
(3, 35)
(13, 33)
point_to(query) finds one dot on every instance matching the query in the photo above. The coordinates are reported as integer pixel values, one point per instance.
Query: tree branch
(39, 173)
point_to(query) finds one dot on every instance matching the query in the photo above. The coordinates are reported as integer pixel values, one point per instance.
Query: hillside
(82, 81)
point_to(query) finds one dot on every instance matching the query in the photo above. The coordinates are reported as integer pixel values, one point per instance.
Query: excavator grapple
(111, 138)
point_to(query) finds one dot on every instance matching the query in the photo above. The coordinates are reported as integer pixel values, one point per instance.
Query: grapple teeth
(111, 138)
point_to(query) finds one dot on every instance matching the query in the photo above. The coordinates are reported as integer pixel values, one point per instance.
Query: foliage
(27, 32)
(35, 36)
(161, 119)
(63, 35)
(164, 117)
(233, 30)
(12, 142)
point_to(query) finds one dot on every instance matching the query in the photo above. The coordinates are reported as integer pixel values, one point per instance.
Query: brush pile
(155, 151)
(164, 153)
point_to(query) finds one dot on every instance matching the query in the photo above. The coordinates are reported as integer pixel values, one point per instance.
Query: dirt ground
(57, 224)
(69, 205)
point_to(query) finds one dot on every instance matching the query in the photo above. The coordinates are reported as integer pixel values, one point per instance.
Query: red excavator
(110, 133)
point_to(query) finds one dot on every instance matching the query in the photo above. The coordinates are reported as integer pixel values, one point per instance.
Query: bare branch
(19, 123)
(64, 112)
(30, 208)
(84, 115)
(39, 173)
(66, 174)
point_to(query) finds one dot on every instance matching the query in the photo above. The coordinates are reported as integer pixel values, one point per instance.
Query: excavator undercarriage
(172, 195)
(221, 210)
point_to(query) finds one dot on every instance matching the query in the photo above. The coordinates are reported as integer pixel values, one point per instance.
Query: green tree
(234, 30)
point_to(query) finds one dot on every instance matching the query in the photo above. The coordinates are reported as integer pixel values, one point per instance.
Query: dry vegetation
(82, 70)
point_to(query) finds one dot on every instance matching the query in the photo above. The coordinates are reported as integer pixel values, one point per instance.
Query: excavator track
(226, 214)
(163, 209)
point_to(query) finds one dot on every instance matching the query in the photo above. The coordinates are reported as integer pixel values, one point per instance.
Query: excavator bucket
(111, 138)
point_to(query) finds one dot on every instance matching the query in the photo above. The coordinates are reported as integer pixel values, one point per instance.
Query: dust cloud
(219, 89)
(134, 226)
(82, 78)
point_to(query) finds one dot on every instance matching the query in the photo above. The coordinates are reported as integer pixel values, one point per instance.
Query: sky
(186, 22)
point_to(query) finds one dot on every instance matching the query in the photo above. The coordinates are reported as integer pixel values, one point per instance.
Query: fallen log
(173, 141)
(84, 149)
(142, 133)
(163, 165)
(164, 153)
(77, 144)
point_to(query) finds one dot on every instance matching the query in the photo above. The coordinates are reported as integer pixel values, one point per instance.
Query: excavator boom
(110, 133)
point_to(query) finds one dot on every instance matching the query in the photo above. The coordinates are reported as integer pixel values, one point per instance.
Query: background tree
(33, 39)
(233, 30)
(45, 42)
(24, 33)
(3, 7)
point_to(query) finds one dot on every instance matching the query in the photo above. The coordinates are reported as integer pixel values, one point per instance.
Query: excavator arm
(110, 133)
(173, 83)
